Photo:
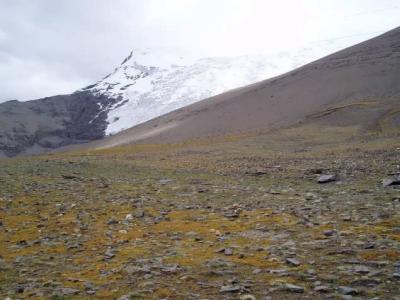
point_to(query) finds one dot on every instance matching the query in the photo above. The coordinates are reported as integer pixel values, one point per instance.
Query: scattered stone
(362, 270)
(363, 281)
(129, 217)
(228, 251)
(70, 177)
(396, 275)
(257, 173)
(311, 272)
(4, 265)
(233, 214)
(328, 232)
(346, 290)
(270, 230)
(310, 196)
(327, 178)
(230, 289)
(131, 296)
(109, 254)
(369, 245)
(289, 244)
(112, 221)
(279, 272)
(90, 292)
(280, 236)
(170, 269)
(89, 286)
(293, 262)
(139, 213)
(322, 289)
(397, 265)
(67, 292)
(293, 288)
(273, 192)
(247, 297)
(392, 181)
(346, 218)
(164, 181)
(22, 243)
(329, 278)
(19, 289)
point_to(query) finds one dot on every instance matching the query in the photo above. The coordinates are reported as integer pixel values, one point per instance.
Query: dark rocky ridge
(44, 124)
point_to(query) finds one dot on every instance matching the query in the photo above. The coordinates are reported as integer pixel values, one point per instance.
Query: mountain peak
(127, 58)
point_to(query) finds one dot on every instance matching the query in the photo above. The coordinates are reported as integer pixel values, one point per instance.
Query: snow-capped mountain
(147, 84)
(152, 82)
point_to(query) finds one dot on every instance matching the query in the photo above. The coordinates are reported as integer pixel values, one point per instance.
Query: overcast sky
(52, 47)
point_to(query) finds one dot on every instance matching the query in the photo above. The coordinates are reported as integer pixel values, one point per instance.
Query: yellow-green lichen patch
(377, 255)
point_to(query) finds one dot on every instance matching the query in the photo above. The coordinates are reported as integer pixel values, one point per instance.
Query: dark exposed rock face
(44, 124)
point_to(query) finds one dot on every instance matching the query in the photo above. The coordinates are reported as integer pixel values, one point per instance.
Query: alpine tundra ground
(239, 217)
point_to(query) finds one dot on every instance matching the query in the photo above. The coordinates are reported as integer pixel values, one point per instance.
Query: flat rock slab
(293, 262)
(327, 178)
(391, 181)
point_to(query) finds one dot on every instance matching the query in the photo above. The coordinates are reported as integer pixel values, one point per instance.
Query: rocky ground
(295, 214)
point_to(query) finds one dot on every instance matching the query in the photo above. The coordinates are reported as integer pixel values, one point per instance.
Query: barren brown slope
(367, 73)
